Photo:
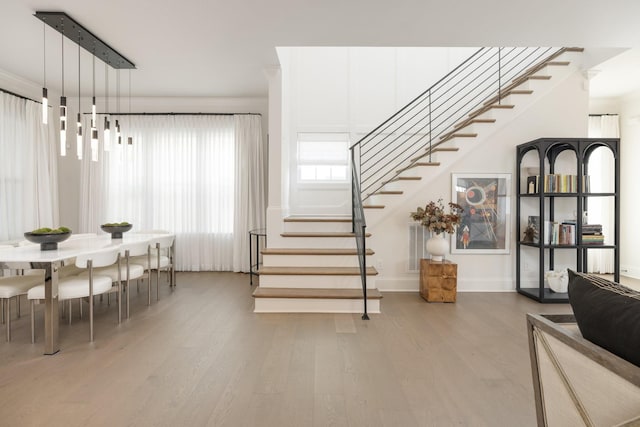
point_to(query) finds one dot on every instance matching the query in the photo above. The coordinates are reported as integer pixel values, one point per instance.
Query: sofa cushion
(607, 314)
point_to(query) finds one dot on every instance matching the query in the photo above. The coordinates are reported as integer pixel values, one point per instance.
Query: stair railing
(359, 226)
(411, 134)
(429, 120)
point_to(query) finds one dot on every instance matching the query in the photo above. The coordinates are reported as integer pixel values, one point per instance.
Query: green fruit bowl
(47, 241)
(116, 230)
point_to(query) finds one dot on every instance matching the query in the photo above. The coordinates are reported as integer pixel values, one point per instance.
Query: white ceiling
(221, 48)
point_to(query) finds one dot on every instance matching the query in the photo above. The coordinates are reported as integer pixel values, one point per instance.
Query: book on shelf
(560, 233)
(557, 183)
(592, 234)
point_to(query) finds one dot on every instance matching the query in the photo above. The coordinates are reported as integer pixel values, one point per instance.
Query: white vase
(437, 246)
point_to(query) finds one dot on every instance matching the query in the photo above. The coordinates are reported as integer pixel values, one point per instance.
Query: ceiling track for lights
(75, 32)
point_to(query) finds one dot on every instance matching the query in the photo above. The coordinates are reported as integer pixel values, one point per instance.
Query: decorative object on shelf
(438, 221)
(48, 238)
(116, 229)
(558, 280)
(484, 226)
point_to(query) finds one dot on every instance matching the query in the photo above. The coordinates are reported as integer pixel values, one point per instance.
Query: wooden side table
(438, 280)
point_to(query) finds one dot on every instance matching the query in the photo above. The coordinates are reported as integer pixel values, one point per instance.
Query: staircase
(325, 264)
(318, 271)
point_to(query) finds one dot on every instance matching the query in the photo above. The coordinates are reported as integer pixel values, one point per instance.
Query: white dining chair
(14, 287)
(74, 287)
(159, 257)
(125, 271)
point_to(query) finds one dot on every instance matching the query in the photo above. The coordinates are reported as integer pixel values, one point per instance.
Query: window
(323, 157)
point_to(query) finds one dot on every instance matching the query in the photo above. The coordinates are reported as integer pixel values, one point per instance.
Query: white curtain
(28, 168)
(601, 210)
(189, 174)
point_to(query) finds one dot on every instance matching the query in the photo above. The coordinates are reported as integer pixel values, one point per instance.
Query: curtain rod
(600, 115)
(19, 96)
(180, 114)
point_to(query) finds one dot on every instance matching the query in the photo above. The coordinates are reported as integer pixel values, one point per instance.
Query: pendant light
(45, 100)
(94, 126)
(63, 107)
(107, 125)
(130, 138)
(79, 123)
(118, 133)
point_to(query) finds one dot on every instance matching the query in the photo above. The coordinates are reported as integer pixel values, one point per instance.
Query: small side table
(438, 280)
(254, 236)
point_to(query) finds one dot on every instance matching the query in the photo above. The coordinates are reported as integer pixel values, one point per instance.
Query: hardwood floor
(200, 356)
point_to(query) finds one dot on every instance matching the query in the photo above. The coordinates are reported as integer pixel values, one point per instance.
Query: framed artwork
(486, 200)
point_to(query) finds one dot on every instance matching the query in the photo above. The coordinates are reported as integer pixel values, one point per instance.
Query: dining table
(53, 259)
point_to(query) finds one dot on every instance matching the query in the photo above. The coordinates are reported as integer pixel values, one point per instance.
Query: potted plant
(437, 220)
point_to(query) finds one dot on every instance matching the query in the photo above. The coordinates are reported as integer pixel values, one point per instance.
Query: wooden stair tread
(373, 207)
(460, 135)
(562, 63)
(435, 150)
(319, 234)
(574, 49)
(520, 92)
(409, 178)
(314, 293)
(312, 251)
(502, 106)
(316, 219)
(534, 77)
(426, 164)
(315, 271)
(473, 121)
(388, 192)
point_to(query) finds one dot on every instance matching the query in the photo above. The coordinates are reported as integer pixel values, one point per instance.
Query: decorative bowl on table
(48, 238)
(116, 229)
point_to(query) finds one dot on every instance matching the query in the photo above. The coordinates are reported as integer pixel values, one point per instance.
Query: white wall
(349, 90)
(629, 201)
(561, 113)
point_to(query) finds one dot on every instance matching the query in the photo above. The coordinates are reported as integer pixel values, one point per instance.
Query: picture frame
(486, 200)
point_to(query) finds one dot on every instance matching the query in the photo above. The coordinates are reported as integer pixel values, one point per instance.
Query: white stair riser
(312, 260)
(319, 242)
(306, 305)
(308, 281)
(314, 227)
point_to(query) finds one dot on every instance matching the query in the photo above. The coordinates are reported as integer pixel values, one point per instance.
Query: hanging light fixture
(45, 100)
(118, 133)
(63, 107)
(79, 123)
(94, 126)
(97, 47)
(130, 138)
(107, 125)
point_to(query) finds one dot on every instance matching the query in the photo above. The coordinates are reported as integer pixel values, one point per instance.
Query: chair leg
(3, 313)
(128, 289)
(18, 304)
(80, 305)
(70, 311)
(91, 318)
(8, 302)
(119, 302)
(33, 322)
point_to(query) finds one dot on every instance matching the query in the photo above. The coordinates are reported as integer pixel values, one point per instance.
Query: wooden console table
(438, 280)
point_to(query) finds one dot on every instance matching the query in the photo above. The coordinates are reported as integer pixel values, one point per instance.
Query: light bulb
(79, 138)
(63, 126)
(107, 135)
(45, 106)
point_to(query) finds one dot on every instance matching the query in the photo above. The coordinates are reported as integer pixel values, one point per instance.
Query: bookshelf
(554, 190)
